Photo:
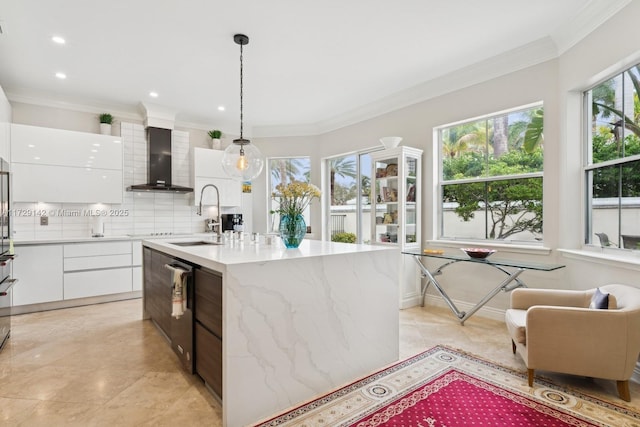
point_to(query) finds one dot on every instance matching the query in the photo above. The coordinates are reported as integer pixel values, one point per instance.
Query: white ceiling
(310, 66)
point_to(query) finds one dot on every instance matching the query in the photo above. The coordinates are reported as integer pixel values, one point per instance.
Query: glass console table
(512, 268)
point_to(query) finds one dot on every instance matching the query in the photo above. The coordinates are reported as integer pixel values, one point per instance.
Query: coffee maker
(231, 221)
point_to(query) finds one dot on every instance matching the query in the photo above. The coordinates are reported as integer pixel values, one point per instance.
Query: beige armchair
(555, 330)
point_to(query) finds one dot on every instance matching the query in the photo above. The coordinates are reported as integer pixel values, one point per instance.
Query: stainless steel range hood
(159, 164)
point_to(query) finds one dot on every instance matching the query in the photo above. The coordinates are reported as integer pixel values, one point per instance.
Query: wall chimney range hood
(159, 164)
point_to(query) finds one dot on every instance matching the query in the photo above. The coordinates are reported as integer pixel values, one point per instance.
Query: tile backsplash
(139, 213)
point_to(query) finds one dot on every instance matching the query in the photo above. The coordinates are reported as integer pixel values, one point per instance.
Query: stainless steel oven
(6, 257)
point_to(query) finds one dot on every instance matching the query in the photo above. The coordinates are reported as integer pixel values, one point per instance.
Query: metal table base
(510, 283)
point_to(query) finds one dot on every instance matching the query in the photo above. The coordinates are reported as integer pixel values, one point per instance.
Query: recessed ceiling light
(221, 108)
(58, 39)
(30, 145)
(61, 76)
(153, 94)
(96, 144)
(36, 158)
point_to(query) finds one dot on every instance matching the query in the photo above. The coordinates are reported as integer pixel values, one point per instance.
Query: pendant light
(242, 160)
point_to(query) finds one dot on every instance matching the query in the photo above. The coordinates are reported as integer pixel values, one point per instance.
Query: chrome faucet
(199, 211)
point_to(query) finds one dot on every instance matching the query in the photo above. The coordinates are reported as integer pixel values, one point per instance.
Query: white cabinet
(93, 269)
(56, 165)
(207, 169)
(39, 273)
(5, 133)
(93, 283)
(395, 211)
(136, 269)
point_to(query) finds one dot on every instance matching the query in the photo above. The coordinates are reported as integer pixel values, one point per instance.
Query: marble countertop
(235, 252)
(107, 238)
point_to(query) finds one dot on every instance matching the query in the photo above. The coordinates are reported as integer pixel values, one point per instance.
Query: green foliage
(106, 118)
(512, 206)
(215, 134)
(533, 135)
(344, 237)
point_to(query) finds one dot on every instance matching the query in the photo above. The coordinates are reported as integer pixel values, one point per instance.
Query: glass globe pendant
(242, 160)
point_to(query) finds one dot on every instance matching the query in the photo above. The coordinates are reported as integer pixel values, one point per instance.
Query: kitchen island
(295, 323)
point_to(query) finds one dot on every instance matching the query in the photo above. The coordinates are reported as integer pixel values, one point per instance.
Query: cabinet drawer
(83, 284)
(98, 248)
(209, 358)
(208, 300)
(91, 263)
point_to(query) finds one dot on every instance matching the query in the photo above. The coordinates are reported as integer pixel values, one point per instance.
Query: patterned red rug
(443, 387)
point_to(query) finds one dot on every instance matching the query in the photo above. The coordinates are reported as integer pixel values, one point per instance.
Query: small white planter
(105, 128)
(215, 143)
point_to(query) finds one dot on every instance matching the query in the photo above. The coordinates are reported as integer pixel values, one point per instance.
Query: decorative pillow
(599, 300)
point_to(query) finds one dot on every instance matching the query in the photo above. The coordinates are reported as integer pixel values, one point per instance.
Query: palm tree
(500, 135)
(286, 170)
(344, 167)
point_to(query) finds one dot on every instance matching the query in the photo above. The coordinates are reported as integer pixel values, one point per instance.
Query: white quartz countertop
(236, 252)
(107, 238)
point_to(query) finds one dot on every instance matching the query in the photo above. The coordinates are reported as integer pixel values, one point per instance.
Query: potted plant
(215, 136)
(106, 120)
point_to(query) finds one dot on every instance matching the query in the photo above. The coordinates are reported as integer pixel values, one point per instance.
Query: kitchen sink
(195, 243)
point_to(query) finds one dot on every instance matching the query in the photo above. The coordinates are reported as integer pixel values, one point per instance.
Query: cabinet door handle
(177, 267)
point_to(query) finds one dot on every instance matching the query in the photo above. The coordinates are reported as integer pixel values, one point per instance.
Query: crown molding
(590, 17)
(96, 108)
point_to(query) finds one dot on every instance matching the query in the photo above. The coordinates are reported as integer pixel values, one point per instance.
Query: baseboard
(436, 300)
(409, 302)
(77, 302)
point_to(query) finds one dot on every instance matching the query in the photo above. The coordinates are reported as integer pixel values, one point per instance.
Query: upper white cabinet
(5, 135)
(56, 165)
(207, 169)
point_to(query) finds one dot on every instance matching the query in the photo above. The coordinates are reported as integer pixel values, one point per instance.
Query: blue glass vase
(292, 230)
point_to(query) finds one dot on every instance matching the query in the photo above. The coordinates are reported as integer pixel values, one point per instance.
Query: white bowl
(391, 141)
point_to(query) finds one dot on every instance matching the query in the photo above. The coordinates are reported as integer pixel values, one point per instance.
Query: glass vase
(292, 230)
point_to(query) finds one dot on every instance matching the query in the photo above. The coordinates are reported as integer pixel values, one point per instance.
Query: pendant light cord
(241, 92)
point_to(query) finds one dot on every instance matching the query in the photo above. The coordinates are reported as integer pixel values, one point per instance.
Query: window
(283, 171)
(612, 164)
(491, 177)
(349, 205)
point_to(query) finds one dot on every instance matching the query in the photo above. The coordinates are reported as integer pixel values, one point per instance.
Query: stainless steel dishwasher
(181, 329)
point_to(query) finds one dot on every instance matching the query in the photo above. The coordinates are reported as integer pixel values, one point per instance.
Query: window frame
(361, 234)
(272, 228)
(439, 208)
(588, 166)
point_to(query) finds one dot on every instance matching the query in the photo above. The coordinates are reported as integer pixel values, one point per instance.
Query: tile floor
(101, 365)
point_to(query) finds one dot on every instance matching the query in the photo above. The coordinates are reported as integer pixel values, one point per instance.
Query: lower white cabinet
(94, 269)
(50, 273)
(136, 274)
(82, 284)
(38, 269)
(136, 270)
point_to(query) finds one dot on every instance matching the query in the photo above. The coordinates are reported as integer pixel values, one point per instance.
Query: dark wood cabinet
(208, 296)
(157, 289)
(209, 358)
(208, 328)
